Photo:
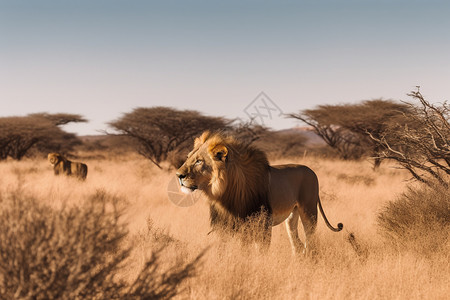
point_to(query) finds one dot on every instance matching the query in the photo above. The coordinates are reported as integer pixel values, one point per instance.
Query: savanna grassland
(379, 264)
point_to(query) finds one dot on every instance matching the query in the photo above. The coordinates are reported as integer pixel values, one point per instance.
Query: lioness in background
(61, 165)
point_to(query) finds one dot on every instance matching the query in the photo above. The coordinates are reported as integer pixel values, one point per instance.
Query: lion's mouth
(187, 189)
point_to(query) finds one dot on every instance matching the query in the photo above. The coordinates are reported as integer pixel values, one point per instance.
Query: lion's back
(78, 169)
(62, 167)
(292, 185)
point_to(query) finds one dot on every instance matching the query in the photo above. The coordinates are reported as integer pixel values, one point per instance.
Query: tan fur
(61, 165)
(240, 184)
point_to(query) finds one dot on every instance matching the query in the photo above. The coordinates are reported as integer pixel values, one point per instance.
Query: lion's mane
(240, 186)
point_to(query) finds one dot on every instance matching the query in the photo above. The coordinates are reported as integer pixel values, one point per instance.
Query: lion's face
(54, 158)
(203, 166)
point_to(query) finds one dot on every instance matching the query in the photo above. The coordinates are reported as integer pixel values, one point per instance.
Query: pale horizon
(102, 59)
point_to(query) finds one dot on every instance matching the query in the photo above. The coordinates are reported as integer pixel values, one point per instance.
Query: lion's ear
(218, 152)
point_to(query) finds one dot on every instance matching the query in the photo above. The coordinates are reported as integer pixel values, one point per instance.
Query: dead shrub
(418, 220)
(74, 253)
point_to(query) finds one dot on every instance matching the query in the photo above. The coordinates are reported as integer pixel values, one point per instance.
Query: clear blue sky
(101, 59)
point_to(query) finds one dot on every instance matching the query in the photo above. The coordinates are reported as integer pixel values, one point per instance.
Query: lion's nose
(181, 176)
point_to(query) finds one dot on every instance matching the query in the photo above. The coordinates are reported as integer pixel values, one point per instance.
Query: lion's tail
(339, 225)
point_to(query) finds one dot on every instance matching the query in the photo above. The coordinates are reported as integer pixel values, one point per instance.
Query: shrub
(74, 253)
(419, 220)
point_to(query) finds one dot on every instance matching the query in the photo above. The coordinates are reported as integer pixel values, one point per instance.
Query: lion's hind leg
(309, 222)
(292, 230)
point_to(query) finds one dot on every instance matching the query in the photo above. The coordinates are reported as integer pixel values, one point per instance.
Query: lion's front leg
(56, 171)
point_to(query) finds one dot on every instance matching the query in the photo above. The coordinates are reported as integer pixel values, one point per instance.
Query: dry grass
(419, 220)
(351, 193)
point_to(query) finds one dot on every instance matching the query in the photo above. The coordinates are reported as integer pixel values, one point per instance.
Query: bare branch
(420, 141)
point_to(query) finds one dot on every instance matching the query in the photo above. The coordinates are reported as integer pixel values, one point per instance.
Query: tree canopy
(18, 135)
(162, 130)
(345, 127)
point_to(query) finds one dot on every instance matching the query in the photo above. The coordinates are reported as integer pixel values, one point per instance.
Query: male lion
(61, 165)
(240, 183)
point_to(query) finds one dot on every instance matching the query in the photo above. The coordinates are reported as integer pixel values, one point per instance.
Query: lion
(61, 165)
(240, 184)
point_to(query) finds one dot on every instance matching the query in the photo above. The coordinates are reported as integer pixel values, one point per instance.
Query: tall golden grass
(361, 262)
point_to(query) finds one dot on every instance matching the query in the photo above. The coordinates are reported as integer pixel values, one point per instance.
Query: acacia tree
(18, 135)
(59, 119)
(374, 117)
(345, 127)
(420, 142)
(59, 140)
(162, 130)
(324, 121)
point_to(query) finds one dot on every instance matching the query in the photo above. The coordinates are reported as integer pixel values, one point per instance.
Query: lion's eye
(198, 162)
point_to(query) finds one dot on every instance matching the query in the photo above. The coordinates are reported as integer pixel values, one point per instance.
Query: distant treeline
(416, 134)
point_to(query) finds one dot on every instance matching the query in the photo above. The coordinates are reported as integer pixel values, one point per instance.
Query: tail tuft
(339, 226)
